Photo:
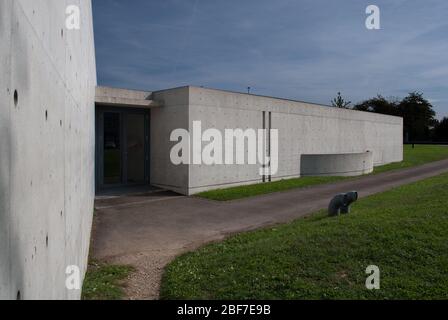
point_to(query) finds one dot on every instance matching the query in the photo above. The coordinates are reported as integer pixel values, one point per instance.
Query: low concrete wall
(47, 91)
(349, 164)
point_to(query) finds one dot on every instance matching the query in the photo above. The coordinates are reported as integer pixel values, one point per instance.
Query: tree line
(419, 118)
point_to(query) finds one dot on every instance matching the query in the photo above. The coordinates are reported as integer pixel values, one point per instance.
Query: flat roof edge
(116, 96)
(293, 100)
(109, 96)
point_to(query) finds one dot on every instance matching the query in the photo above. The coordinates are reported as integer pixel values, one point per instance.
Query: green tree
(340, 102)
(379, 104)
(441, 130)
(418, 117)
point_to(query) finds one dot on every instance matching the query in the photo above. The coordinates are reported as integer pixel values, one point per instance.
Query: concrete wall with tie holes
(47, 90)
(303, 129)
(357, 140)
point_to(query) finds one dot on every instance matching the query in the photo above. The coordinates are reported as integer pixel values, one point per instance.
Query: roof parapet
(108, 96)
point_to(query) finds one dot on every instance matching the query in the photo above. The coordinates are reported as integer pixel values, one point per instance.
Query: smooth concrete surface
(148, 232)
(46, 146)
(344, 165)
(303, 128)
(173, 115)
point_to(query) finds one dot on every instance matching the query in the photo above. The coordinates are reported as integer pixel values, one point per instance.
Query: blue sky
(297, 49)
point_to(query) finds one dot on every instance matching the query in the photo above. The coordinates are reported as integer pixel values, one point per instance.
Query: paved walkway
(148, 231)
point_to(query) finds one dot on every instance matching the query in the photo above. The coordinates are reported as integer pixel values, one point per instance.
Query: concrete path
(148, 231)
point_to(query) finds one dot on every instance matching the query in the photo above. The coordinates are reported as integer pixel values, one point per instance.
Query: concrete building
(313, 139)
(56, 128)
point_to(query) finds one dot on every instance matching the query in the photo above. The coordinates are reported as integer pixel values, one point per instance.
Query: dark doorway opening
(122, 147)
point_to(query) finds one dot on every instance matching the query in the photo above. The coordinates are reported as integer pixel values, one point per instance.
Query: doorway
(122, 147)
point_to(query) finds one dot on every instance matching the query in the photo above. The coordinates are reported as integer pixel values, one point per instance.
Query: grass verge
(105, 282)
(403, 232)
(412, 157)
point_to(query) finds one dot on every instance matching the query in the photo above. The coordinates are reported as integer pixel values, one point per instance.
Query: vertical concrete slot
(264, 128)
(269, 146)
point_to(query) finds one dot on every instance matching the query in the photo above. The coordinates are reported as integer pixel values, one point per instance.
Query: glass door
(122, 139)
(135, 148)
(112, 149)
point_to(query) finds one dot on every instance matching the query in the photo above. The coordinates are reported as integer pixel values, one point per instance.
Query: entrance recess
(122, 147)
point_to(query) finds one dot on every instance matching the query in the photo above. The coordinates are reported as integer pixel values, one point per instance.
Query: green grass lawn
(404, 232)
(104, 282)
(412, 157)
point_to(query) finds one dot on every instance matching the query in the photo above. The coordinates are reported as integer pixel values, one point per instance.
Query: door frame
(99, 145)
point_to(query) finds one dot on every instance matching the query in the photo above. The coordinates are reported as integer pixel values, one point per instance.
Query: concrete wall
(303, 129)
(46, 146)
(342, 165)
(171, 116)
